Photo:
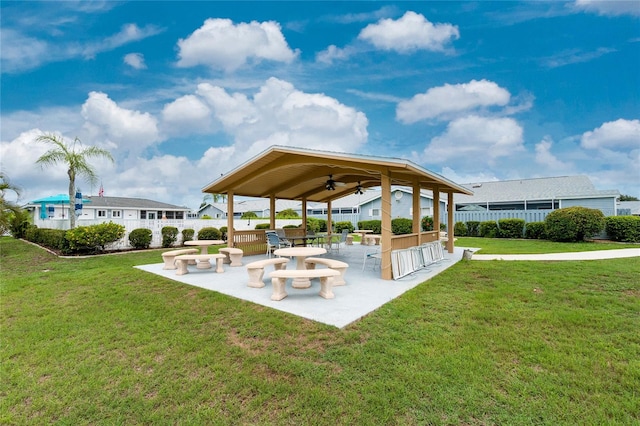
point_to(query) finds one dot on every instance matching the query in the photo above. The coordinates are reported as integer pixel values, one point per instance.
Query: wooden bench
(169, 257)
(279, 279)
(203, 262)
(256, 269)
(232, 255)
(338, 265)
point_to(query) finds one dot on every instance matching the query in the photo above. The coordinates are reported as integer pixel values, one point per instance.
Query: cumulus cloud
(221, 44)
(409, 33)
(447, 101)
(113, 125)
(547, 159)
(135, 60)
(615, 135)
(468, 139)
(279, 113)
(187, 114)
(608, 7)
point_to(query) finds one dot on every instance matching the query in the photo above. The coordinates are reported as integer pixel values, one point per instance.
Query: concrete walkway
(582, 255)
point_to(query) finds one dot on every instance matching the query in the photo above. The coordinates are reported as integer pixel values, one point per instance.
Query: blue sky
(180, 92)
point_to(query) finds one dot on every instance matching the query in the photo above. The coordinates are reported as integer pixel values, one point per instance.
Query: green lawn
(505, 246)
(95, 341)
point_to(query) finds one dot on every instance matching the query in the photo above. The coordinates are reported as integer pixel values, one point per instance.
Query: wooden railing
(251, 242)
(406, 241)
(294, 232)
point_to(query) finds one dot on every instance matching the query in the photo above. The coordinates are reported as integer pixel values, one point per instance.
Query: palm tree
(76, 161)
(7, 208)
(212, 198)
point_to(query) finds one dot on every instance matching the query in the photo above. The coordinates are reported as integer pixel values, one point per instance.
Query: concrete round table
(204, 249)
(204, 244)
(300, 253)
(363, 233)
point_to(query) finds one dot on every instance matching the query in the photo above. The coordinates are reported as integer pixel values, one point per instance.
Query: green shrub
(623, 228)
(93, 238)
(169, 235)
(287, 214)
(209, 233)
(511, 228)
(401, 226)
(50, 238)
(187, 234)
(535, 230)
(488, 229)
(223, 232)
(140, 238)
(460, 229)
(18, 223)
(573, 223)
(426, 223)
(314, 225)
(443, 226)
(374, 225)
(205, 216)
(248, 215)
(473, 227)
(345, 224)
(262, 226)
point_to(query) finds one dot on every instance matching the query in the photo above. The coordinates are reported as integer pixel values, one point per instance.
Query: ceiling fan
(330, 184)
(359, 189)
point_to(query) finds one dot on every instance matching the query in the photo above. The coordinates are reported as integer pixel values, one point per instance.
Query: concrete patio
(364, 292)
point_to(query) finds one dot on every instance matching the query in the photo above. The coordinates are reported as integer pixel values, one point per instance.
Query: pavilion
(320, 176)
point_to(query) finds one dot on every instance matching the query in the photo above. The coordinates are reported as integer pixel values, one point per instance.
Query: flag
(101, 192)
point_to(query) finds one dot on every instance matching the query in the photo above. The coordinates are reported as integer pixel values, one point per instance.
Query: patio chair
(274, 242)
(372, 254)
(341, 240)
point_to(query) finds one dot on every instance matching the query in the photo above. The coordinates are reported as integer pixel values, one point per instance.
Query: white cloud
(464, 177)
(616, 135)
(135, 60)
(187, 114)
(609, 7)
(574, 56)
(221, 44)
(548, 160)
(280, 114)
(127, 34)
(110, 124)
(23, 52)
(409, 33)
(332, 53)
(447, 101)
(472, 139)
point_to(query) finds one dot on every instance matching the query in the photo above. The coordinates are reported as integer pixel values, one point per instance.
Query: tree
(212, 198)
(628, 198)
(75, 158)
(7, 208)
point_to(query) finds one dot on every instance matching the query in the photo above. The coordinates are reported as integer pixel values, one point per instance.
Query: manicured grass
(507, 246)
(95, 341)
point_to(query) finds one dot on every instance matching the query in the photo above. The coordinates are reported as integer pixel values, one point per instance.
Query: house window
(116, 213)
(143, 214)
(102, 214)
(374, 213)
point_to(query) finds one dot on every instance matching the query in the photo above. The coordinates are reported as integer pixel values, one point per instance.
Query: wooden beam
(450, 225)
(230, 218)
(272, 211)
(416, 209)
(385, 261)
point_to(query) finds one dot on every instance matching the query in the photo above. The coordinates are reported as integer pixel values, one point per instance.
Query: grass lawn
(95, 341)
(506, 246)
